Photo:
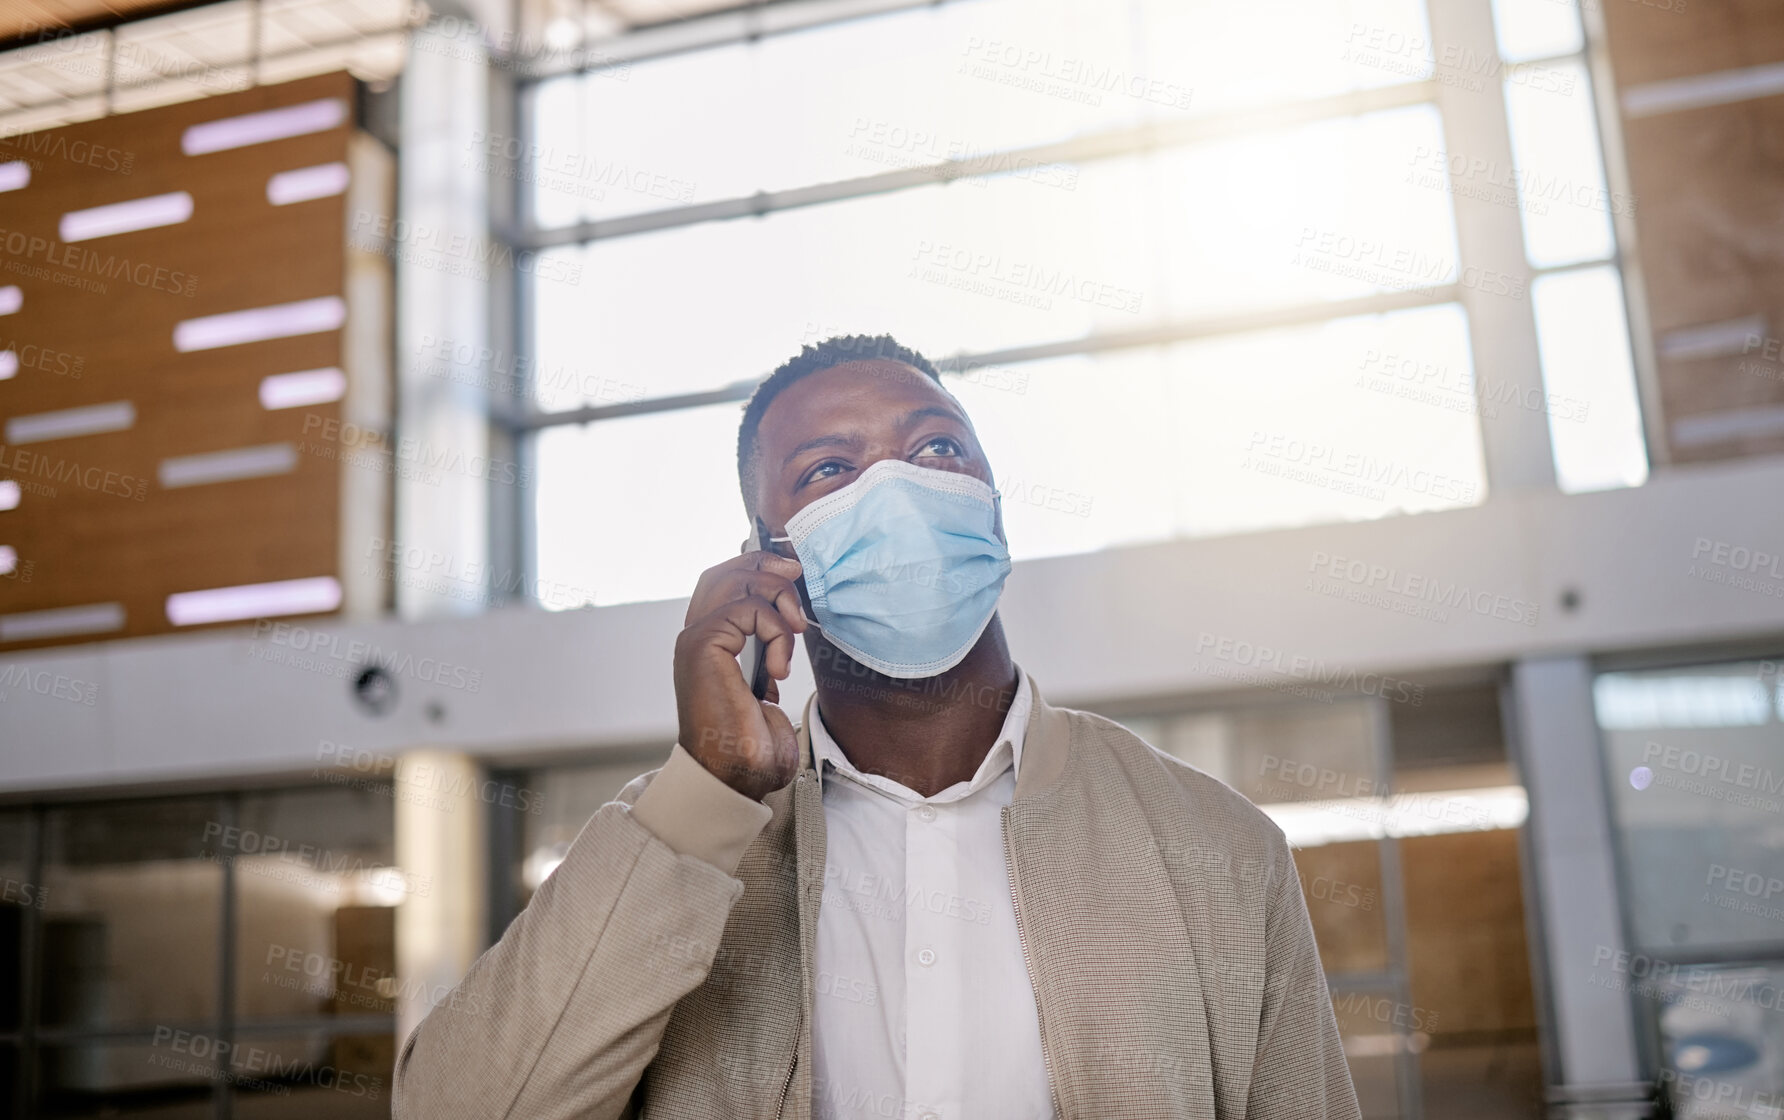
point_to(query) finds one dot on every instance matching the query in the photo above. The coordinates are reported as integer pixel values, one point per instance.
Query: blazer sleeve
(1299, 1072)
(560, 1018)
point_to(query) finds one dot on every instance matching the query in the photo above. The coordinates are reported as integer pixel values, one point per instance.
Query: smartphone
(755, 654)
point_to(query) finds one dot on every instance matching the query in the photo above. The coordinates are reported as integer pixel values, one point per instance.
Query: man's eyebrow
(820, 441)
(855, 440)
(917, 414)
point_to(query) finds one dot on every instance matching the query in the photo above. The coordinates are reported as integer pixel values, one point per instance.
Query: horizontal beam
(1110, 144)
(1647, 568)
(1173, 330)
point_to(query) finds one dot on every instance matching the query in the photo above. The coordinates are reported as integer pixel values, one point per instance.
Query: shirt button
(926, 813)
(929, 1116)
(925, 957)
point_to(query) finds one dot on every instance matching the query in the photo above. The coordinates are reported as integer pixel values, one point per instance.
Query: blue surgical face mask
(903, 566)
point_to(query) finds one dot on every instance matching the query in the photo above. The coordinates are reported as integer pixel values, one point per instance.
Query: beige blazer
(664, 970)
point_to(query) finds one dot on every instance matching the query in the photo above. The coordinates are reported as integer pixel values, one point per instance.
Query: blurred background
(1387, 399)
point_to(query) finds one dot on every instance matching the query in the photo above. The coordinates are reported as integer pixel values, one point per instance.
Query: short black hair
(838, 350)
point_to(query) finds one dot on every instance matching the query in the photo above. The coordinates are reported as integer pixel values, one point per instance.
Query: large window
(1692, 756)
(1193, 268)
(203, 956)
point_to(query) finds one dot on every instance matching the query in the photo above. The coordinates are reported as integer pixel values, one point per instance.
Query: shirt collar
(1005, 753)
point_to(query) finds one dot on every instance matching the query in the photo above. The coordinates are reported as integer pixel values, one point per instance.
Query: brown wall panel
(86, 545)
(1709, 185)
(1654, 40)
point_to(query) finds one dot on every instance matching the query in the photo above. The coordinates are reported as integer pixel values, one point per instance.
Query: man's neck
(926, 734)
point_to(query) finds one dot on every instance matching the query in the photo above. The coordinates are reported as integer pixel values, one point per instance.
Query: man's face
(824, 430)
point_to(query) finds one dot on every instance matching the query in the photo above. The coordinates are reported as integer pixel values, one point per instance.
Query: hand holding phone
(744, 608)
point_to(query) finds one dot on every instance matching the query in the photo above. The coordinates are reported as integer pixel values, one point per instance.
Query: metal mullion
(1601, 87)
(1177, 330)
(331, 1024)
(31, 961)
(221, 1093)
(1110, 144)
(708, 31)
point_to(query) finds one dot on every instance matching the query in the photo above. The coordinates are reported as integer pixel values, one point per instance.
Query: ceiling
(33, 19)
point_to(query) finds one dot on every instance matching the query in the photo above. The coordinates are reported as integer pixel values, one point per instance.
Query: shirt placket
(934, 958)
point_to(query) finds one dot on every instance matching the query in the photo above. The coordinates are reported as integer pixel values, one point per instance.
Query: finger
(744, 562)
(733, 622)
(782, 566)
(778, 589)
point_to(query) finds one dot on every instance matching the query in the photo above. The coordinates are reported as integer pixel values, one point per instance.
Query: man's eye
(823, 470)
(941, 445)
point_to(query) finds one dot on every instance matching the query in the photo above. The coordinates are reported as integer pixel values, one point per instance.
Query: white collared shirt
(923, 1008)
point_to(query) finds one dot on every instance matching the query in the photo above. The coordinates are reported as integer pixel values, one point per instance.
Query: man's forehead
(869, 387)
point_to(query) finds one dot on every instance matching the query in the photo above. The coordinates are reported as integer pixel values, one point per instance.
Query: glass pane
(18, 897)
(1342, 885)
(940, 82)
(316, 891)
(592, 543)
(1696, 791)
(1560, 170)
(133, 906)
(568, 796)
(1376, 1028)
(1722, 1040)
(170, 1077)
(1317, 213)
(1240, 433)
(1529, 29)
(1237, 433)
(1595, 424)
(279, 1076)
